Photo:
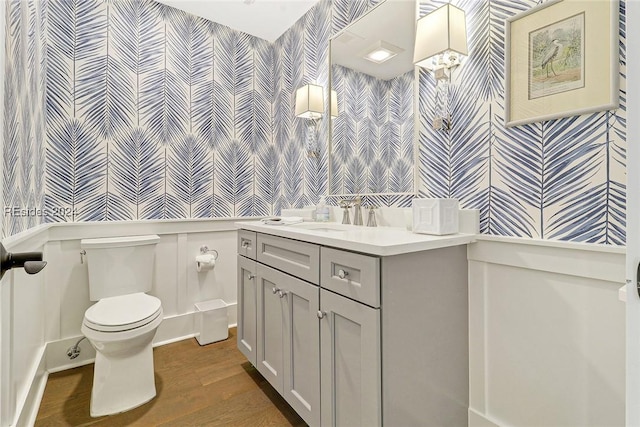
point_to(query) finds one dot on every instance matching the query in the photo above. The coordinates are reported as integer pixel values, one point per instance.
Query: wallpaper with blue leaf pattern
(156, 114)
(561, 179)
(372, 138)
(128, 109)
(24, 118)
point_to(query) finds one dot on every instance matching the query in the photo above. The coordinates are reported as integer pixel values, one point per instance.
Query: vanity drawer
(355, 276)
(247, 243)
(296, 258)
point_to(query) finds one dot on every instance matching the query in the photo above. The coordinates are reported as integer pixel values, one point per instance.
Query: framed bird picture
(561, 60)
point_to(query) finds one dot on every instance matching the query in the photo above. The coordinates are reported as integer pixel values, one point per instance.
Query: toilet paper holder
(204, 249)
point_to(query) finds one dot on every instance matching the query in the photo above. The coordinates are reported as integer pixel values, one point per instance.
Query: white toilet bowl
(121, 329)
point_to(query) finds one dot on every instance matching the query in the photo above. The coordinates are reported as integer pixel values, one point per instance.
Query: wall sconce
(310, 105)
(441, 40)
(310, 102)
(441, 37)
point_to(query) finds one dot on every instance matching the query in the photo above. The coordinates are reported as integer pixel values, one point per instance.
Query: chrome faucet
(357, 214)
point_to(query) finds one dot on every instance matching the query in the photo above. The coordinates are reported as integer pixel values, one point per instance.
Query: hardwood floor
(196, 386)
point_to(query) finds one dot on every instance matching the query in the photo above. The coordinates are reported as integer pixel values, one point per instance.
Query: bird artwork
(550, 56)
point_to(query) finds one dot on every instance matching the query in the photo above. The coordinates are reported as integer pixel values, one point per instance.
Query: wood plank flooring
(196, 386)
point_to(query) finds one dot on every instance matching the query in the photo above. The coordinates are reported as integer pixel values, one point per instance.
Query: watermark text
(19, 211)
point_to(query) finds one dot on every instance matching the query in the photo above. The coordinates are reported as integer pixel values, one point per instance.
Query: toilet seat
(122, 313)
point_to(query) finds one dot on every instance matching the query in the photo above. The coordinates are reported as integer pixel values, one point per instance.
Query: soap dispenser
(322, 210)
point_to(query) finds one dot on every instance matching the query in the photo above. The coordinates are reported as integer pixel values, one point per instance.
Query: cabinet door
(302, 348)
(350, 374)
(247, 308)
(270, 325)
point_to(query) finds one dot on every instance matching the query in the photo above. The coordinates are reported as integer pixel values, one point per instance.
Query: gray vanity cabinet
(350, 338)
(354, 339)
(288, 339)
(350, 360)
(246, 331)
(270, 317)
(301, 349)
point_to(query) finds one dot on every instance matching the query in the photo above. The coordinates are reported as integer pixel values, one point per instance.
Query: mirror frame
(416, 116)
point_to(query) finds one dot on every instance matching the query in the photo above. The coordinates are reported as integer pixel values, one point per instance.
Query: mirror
(373, 143)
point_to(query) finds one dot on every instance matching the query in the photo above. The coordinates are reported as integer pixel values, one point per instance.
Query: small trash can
(212, 323)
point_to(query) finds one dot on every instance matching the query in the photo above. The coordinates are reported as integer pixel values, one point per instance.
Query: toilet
(122, 323)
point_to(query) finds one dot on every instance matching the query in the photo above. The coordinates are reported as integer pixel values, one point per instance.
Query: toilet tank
(119, 265)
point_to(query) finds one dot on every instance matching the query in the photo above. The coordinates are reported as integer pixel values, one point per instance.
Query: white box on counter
(435, 216)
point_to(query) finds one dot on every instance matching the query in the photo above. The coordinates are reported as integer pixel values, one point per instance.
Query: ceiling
(393, 21)
(266, 19)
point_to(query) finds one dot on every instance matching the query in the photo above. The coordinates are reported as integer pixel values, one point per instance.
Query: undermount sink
(324, 228)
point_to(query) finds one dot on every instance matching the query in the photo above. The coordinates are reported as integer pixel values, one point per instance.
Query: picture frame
(561, 60)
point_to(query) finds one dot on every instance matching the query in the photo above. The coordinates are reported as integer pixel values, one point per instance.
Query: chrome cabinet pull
(321, 314)
(251, 276)
(82, 254)
(246, 244)
(282, 293)
(342, 274)
(638, 279)
(275, 290)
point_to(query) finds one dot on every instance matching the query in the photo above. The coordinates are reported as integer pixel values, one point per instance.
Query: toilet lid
(124, 311)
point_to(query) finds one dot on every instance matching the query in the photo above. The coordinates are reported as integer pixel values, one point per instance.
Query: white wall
(42, 314)
(21, 334)
(547, 334)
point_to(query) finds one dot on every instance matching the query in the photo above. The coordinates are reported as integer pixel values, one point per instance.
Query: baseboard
(477, 419)
(57, 359)
(174, 328)
(232, 313)
(30, 413)
(27, 411)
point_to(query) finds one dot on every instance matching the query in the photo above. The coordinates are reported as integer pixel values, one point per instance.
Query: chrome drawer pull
(282, 293)
(251, 276)
(275, 290)
(342, 274)
(245, 244)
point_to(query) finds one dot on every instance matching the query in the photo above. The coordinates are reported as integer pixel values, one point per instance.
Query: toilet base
(122, 383)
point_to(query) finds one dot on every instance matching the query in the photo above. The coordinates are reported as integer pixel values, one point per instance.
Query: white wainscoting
(22, 321)
(41, 315)
(546, 325)
(547, 334)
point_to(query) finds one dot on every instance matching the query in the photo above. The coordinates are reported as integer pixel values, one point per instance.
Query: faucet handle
(345, 213)
(371, 219)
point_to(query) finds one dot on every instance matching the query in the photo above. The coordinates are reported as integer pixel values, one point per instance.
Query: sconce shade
(443, 30)
(309, 102)
(334, 104)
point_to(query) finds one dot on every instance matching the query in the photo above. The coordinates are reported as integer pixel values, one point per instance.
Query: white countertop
(381, 241)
